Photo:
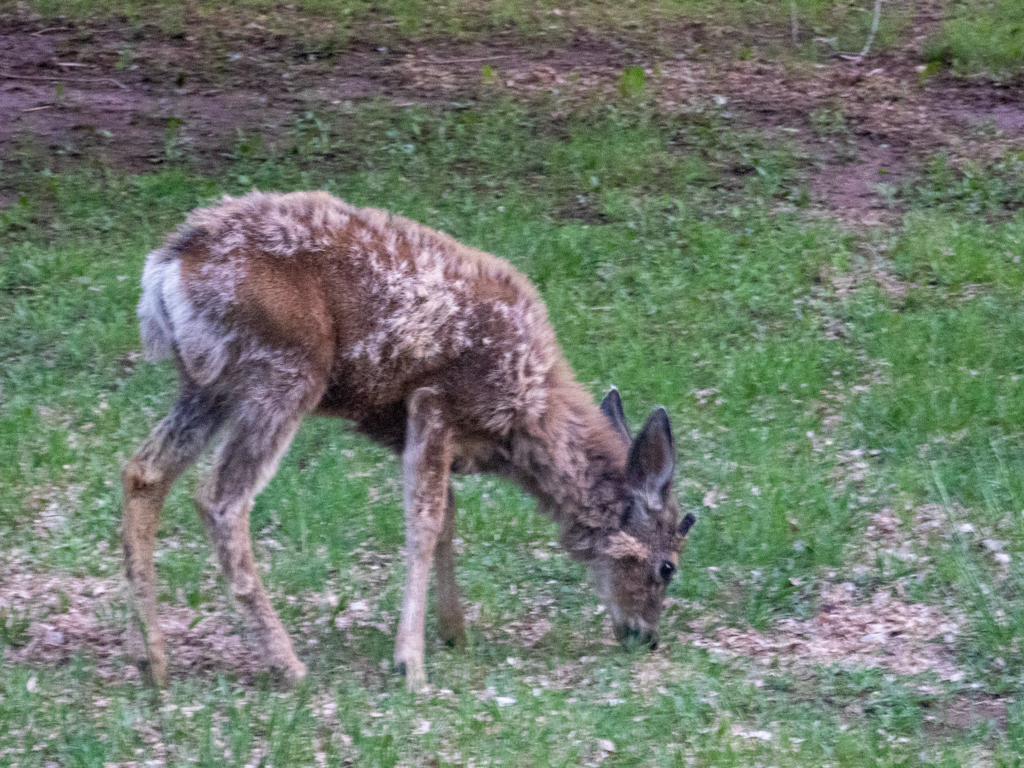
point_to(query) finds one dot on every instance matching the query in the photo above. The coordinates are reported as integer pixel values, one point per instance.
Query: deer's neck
(574, 462)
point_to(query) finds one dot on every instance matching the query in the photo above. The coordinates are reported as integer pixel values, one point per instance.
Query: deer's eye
(666, 571)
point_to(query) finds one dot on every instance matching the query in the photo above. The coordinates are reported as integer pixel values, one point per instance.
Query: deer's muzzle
(630, 635)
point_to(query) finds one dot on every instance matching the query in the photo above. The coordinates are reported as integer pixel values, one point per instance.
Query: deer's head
(634, 564)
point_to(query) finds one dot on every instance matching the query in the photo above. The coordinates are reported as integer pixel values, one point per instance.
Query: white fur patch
(430, 310)
(202, 344)
(426, 313)
(169, 320)
(155, 326)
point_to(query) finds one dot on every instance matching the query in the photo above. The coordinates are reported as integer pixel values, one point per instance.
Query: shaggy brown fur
(274, 306)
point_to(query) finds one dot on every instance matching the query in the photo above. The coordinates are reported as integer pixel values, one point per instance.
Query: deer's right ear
(652, 460)
(611, 407)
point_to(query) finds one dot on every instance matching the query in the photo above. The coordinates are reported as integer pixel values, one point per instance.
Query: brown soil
(74, 88)
(129, 115)
(51, 618)
(200, 92)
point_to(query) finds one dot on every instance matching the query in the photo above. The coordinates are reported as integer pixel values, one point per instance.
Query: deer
(274, 306)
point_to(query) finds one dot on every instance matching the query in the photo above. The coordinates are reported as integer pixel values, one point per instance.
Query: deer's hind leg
(426, 462)
(258, 436)
(450, 620)
(172, 446)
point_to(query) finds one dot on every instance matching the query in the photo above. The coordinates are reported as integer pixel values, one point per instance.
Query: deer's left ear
(611, 407)
(652, 459)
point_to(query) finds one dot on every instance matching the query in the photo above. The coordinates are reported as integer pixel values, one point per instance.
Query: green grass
(981, 37)
(677, 264)
(994, 187)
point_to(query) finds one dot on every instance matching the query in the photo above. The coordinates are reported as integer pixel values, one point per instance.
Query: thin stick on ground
(874, 28)
(69, 81)
(871, 36)
(475, 59)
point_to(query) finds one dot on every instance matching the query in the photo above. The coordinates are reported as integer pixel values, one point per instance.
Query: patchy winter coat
(274, 306)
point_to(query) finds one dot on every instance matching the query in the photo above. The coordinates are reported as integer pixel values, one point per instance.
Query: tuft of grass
(981, 37)
(831, 125)
(631, 83)
(14, 628)
(993, 187)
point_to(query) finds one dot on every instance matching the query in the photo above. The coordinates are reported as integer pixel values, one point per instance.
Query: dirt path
(138, 102)
(132, 114)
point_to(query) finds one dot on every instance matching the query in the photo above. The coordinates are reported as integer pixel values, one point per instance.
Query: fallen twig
(36, 109)
(69, 81)
(51, 29)
(871, 36)
(473, 61)
(874, 28)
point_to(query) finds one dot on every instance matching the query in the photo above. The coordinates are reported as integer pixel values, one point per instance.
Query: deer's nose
(628, 635)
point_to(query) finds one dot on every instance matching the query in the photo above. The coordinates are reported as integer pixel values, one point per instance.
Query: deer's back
(364, 305)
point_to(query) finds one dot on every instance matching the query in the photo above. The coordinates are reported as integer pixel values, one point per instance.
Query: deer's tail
(160, 275)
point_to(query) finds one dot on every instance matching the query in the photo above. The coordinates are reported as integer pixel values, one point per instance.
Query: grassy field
(847, 402)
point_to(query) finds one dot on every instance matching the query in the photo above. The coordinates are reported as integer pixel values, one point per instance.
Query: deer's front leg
(425, 466)
(451, 623)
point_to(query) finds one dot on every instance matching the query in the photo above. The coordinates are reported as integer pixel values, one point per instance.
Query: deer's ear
(652, 459)
(611, 407)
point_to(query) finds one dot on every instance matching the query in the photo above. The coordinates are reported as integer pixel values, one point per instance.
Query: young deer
(274, 306)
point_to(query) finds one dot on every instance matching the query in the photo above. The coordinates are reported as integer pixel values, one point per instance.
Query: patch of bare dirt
(907, 638)
(850, 189)
(99, 89)
(50, 618)
(881, 119)
(128, 94)
(583, 70)
(67, 615)
(964, 713)
(864, 123)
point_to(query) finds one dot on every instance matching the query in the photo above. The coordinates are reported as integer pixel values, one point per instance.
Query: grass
(981, 37)
(991, 188)
(677, 263)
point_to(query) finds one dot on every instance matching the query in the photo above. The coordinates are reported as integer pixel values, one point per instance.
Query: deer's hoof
(453, 632)
(288, 674)
(414, 674)
(153, 671)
